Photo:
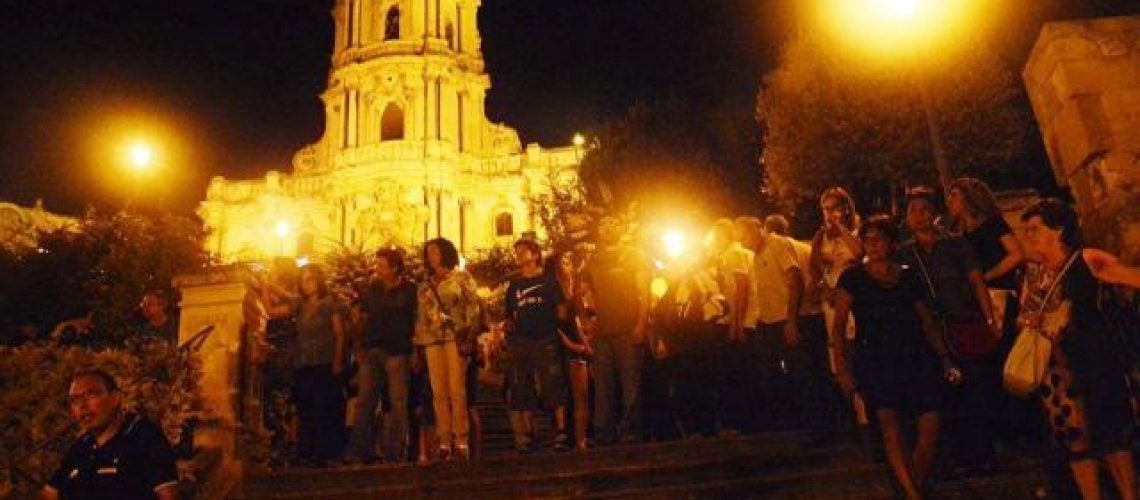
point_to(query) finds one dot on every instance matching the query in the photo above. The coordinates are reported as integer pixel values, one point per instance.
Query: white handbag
(1025, 367)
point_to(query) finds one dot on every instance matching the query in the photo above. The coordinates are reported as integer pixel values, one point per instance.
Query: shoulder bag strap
(435, 293)
(1057, 281)
(925, 274)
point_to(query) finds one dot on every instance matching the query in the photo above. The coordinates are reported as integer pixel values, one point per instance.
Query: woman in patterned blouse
(446, 325)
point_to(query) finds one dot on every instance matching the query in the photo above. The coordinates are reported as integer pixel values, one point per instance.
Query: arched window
(392, 123)
(392, 24)
(504, 224)
(449, 32)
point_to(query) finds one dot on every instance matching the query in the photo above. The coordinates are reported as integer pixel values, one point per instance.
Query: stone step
(770, 466)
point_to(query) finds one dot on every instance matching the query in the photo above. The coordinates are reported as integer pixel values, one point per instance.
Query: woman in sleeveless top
(1084, 393)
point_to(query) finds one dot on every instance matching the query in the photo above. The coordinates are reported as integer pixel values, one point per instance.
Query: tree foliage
(35, 426)
(102, 266)
(831, 118)
(670, 155)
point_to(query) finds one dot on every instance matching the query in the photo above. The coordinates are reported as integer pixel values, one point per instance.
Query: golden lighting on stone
(896, 28)
(408, 153)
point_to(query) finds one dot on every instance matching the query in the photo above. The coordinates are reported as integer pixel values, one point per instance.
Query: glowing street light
(282, 229)
(579, 140)
(906, 29)
(141, 156)
(901, 10)
(674, 242)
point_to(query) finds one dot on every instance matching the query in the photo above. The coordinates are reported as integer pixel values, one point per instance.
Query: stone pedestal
(221, 298)
(1083, 79)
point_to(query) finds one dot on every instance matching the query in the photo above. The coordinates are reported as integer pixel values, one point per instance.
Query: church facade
(407, 154)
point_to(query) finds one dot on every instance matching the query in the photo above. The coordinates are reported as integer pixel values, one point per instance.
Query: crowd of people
(900, 324)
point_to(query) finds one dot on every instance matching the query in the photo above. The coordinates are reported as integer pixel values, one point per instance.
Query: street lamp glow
(892, 28)
(141, 156)
(579, 140)
(900, 10)
(674, 242)
(282, 229)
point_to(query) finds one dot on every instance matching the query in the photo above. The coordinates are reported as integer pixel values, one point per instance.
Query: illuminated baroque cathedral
(407, 154)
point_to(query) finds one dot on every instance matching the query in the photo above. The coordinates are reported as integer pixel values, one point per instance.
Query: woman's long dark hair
(448, 255)
(319, 276)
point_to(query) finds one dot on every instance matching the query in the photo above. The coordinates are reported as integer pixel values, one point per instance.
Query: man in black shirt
(119, 455)
(158, 321)
(389, 316)
(535, 307)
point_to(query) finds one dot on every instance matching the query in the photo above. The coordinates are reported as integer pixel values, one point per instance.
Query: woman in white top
(835, 248)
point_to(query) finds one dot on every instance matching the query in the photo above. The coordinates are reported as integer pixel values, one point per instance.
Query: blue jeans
(376, 369)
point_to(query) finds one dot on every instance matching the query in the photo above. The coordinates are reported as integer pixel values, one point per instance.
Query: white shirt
(735, 261)
(803, 258)
(770, 264)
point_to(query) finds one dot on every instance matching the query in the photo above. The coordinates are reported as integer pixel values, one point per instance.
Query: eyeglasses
(86, 396)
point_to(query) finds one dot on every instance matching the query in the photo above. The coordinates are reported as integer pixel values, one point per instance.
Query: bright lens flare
(141, 156)
(282, 229)
(658, 287)
(901, 10)
(893, 28)
(674, 241)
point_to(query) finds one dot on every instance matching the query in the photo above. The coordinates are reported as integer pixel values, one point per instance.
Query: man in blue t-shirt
(535, 307)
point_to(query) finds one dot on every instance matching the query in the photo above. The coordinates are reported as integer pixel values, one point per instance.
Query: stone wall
(1083, 79)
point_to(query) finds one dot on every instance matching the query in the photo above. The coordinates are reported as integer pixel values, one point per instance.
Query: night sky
(230, 86)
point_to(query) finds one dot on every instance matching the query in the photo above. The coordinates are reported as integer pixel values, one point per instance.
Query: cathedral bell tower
(406, 70)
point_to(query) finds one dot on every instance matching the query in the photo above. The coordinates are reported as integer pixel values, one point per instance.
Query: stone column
(220, 297)
(1083, 79)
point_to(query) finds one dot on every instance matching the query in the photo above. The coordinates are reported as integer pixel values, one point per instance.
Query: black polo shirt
(391, 319)
(135, 463)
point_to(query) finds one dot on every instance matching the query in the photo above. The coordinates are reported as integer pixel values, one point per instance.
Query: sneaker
(463, 452)
(523, 448)
(561, 442)
(444, 453)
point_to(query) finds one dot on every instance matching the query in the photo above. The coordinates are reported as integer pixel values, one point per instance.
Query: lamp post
(911, 26)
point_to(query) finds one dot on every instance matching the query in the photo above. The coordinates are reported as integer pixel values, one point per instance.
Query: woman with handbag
(956, 293)
(897, 350)
(1082, 389)
(447, 320)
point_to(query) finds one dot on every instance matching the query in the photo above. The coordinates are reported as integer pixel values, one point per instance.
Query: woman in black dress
(897, 350)
(977, 217)
(1084, 392)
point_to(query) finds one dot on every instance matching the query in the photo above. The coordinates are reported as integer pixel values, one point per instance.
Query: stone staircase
(766, 466)
(774, 465)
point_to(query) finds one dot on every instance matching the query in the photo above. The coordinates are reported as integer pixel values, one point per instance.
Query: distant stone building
(19, 225)
(407, 154)
(1083, 79)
